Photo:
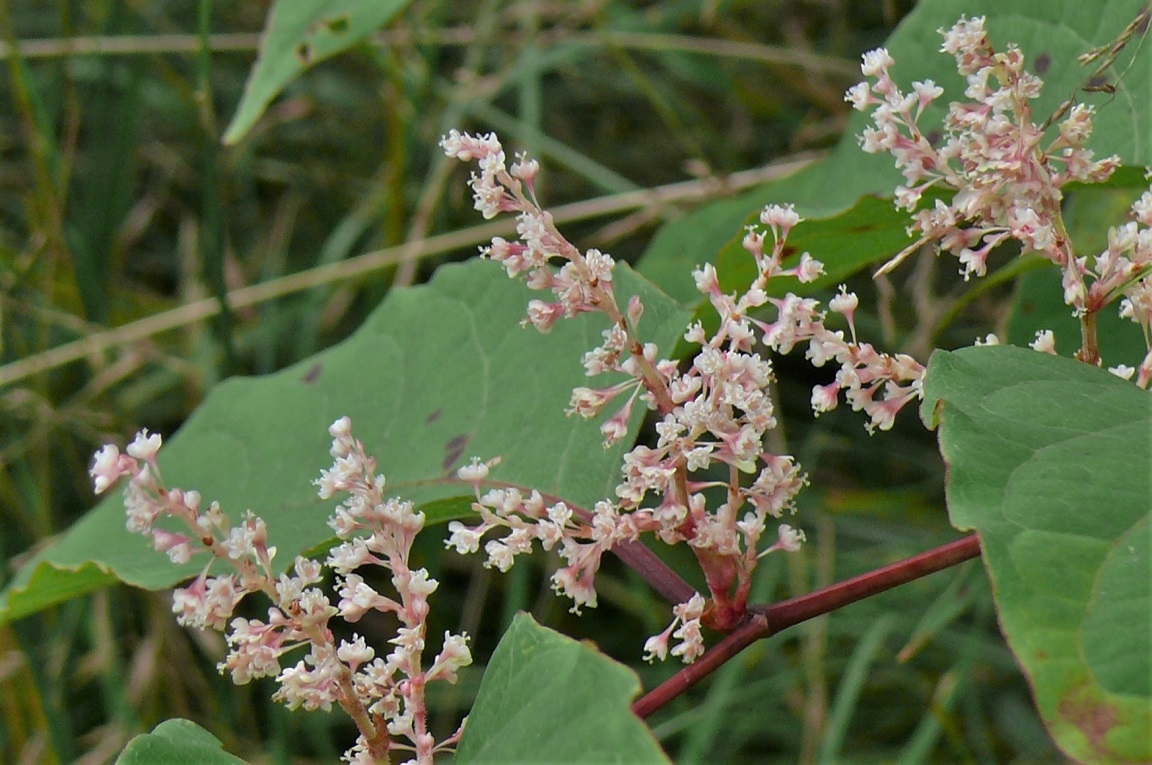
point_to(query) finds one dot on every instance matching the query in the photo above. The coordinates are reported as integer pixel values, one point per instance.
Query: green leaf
(437, 374)
(297, 35)
(176, 742)
(1048, 459)
(548, 698)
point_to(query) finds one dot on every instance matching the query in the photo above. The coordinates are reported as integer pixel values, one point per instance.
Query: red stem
(654, 571)
(791, 612)
(764, 621)
(658, 574)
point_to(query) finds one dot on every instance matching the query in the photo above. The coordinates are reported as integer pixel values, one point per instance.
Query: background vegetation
(121, 211)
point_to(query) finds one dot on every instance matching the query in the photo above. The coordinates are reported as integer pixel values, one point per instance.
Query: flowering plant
(383, 696)
(708, 478)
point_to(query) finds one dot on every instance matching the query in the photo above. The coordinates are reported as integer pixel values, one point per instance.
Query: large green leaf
(298, 34)
(1050, 461)
(176, 742)
(548, 698)
(1051, 33)
(437, 374)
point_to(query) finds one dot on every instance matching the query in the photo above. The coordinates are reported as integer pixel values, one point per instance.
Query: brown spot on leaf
(433, 416)
(1094, 718)
(453, 449)
(1043, 61)
(788, 251)
(313, 374)
(304, 53)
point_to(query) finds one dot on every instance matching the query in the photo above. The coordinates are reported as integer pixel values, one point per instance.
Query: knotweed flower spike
(718, 410)
(384, 695)
(1008, 177)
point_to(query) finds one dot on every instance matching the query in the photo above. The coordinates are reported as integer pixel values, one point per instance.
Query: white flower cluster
(1007, 180)
(383, 695)
(718, 410)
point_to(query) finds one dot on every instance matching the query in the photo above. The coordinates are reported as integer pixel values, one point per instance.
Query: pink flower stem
(636, 555)
(1089, 351)
(376, 735)
(765, 621)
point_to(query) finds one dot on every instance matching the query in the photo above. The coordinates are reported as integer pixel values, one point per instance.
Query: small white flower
(106, 469)
(474, 472)
(845, 303)
(809, 269)
(790, 539)
(780, 216)
(145, 446)
(825, 398)
(860, 96)
(1045, 342)
(876, 62)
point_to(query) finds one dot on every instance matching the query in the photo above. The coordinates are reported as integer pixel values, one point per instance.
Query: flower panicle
(1007, 182)
(384, 694)
(1007, 178)
(716, 411)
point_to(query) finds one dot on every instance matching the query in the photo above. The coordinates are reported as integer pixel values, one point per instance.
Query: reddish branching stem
(658, 574)
(791, 612)
(654, 571)
(765, 621)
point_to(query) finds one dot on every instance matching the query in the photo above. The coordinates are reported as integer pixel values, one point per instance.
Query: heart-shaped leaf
(437, 374)
(1050, 460)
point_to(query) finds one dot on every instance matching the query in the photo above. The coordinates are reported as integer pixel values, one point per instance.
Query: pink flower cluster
(1007, 181)
(718, 410)
(1006, 177)
(1124, 272)
(383, 695)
